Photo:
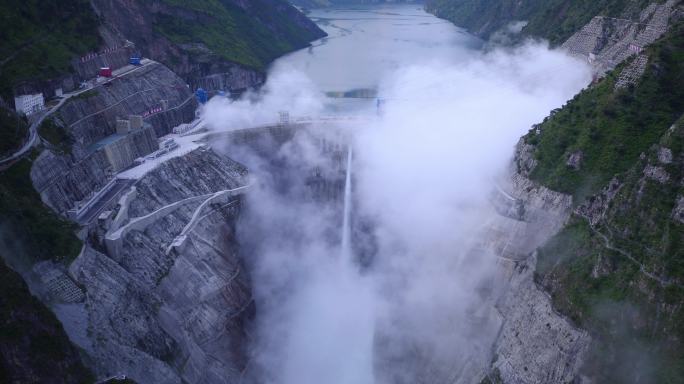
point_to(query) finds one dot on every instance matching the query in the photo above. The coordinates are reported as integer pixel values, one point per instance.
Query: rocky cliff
(163, 314)
(600, 299)
(554, 20)
(39, 40)
(156, 312)
(606, 42)
(50, 47)
(535, 343)
(92, 115)
(65, 177)
(615, 268)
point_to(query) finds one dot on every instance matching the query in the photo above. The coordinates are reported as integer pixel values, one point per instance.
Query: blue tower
(201, 95)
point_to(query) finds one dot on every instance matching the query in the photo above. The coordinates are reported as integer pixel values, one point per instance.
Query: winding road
(33, 128)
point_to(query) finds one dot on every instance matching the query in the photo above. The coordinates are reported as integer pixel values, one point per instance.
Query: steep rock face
(92, 115)
(630, 228)
(535, 344)
(171, 315)
(164, 186)
(615, 269)
(555, 20)
(116, 54)
(607, 42)
(63, 179)
(540, 340)
(33, 345)
(218, 45)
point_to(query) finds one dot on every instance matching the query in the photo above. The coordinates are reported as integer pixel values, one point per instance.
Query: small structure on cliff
(29, 104)
(133, 139)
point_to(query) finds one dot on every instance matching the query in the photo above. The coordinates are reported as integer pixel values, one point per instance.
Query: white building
(29, 104)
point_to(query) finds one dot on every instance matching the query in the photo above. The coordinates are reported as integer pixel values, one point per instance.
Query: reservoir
(364, 43)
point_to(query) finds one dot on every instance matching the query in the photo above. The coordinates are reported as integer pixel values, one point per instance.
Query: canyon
(188, 257)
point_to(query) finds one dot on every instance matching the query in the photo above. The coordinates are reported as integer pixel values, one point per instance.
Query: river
(364, 43)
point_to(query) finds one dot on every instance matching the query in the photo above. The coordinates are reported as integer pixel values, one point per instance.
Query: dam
(366, 205)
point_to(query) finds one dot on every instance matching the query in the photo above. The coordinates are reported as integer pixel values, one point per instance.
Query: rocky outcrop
(678, 211)
(63, 179)
(606, 42)
(596, 206)
(535, 344)
(162, 315)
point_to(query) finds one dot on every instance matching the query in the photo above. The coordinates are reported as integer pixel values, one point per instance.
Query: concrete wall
(124, 204)
(123, 152)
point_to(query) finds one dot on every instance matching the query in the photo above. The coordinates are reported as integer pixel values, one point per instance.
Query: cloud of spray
(421, 311)
(285, 91)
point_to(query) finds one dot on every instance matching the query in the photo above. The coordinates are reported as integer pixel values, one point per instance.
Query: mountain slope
(250, 33)
(617, 269)
(554, 20)
(39, 38)
(33, 345)
(203, 37)
(230, 43)
(609, 128)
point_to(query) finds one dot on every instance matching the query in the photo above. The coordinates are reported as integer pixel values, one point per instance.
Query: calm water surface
(366, 43)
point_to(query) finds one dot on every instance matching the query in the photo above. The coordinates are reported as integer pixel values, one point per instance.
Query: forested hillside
(250, 33)
(617, 269)
(554, 20)
(40, 37)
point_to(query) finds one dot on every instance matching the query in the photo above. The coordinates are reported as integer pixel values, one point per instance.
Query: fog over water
(419, 309)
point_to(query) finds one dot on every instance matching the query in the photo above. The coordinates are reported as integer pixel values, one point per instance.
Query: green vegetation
(252, 37)
(13, 131)
(559, 19)
(40, 37)
(611, 129)
(555, 20)
(623, 279)
(33, 345)
(636, 324)
(85, 95)
(56, 135)
(28, 226)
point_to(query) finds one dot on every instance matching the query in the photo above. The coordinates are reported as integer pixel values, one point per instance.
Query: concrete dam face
(389, 314)
(295, 163)
(291, 234)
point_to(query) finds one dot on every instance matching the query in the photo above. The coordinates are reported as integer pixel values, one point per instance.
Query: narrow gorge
(241, 192)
